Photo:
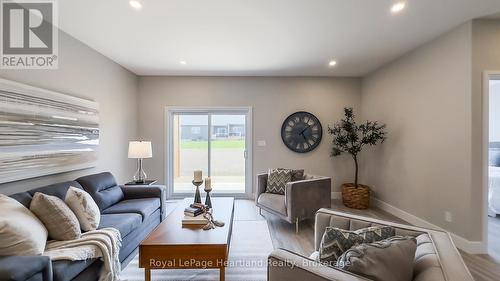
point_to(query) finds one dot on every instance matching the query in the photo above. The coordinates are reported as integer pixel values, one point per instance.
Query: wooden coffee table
(174, 246)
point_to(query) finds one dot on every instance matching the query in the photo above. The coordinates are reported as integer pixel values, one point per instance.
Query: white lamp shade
(140, 149)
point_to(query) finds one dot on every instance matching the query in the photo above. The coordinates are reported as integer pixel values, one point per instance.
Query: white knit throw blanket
(103, 243)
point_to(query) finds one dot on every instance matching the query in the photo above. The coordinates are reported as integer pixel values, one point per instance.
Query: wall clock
(301, 132)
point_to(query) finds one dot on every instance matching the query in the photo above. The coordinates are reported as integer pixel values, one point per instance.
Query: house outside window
(195, 130)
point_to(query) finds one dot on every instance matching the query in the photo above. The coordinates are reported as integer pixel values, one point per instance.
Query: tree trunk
(356, 174)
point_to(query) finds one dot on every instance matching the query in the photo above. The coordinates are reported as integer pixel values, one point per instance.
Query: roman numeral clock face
(301, 132)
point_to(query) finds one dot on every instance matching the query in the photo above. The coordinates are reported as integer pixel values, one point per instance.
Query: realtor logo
(29, 34)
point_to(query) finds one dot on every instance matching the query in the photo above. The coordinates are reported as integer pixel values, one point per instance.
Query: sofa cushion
(144, 207)
(103, 188)
(131, 241)
(125, 223)
(66, 270)
(21, 233)
(388, 260)
(84, 207)
(273, 201)
(57, 217)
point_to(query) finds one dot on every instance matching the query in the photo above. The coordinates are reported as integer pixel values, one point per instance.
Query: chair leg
(296, 225)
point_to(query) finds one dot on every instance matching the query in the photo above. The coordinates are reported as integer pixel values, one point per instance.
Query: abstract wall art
(44, 132)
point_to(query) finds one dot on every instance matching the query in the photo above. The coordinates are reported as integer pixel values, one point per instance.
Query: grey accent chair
(301, 200)
(436, 258)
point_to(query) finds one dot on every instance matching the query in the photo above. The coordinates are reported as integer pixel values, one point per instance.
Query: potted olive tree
(349, 137)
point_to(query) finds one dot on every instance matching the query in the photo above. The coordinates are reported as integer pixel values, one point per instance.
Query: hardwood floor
(482, 267)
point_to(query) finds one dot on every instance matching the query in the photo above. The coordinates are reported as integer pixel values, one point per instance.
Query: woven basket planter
(356, 197)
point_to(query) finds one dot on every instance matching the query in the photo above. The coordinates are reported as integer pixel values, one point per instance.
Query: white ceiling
(261, 37)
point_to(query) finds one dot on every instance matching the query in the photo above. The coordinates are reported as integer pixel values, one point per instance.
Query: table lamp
(139, 150)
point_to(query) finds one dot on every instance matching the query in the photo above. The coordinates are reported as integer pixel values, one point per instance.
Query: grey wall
(272, 99)
(424, 167)
(85, 73)
(485, 57)
(432, 101)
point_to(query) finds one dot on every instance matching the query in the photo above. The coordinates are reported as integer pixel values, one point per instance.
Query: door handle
(245, 154)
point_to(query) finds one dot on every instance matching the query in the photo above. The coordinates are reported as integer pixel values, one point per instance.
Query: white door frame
(169, 113)
(487, 76)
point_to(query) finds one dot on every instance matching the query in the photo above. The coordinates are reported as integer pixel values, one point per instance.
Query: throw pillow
(21, 233)
(387, 260)
(376, 233)
(86, 210)
(297, 175)
(57, 217)
(277, 180)
(336, 241)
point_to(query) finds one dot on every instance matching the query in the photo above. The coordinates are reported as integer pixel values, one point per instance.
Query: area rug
(250, 245)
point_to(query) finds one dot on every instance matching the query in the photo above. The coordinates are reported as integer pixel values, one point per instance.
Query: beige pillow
(21, 233)
(57, 217)
(84, 207)
(389, 260)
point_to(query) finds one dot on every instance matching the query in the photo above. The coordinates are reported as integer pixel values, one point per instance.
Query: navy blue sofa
(134, 210)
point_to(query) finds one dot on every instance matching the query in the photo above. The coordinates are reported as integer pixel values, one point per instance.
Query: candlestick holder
(197, 196)
(208, 202)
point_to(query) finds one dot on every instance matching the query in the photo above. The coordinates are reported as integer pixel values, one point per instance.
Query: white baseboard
(336, 195)
(471, 247)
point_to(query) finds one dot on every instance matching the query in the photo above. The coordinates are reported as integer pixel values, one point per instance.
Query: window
(206, 145)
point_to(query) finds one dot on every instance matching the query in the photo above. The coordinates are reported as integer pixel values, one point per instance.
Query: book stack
(194, 215)
(193, 210)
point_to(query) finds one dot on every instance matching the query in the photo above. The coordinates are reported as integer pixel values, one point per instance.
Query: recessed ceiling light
(398, 7)
(332, 63)
(135, 4)
(183, 62)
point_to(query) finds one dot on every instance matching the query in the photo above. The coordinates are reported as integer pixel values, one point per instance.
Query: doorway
(493, 164)
(216, 141)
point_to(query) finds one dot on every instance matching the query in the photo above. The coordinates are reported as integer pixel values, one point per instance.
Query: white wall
(272, 99)
(424, 167)
(494, 111)
(85, 73)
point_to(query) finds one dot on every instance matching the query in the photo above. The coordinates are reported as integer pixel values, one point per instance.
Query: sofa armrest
(150, 191)
(20, 268)
(261, 185)
(284, 265)
(303, 198)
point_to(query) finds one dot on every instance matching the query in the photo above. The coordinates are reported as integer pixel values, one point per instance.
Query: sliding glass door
(212, 140)
(190, 149)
